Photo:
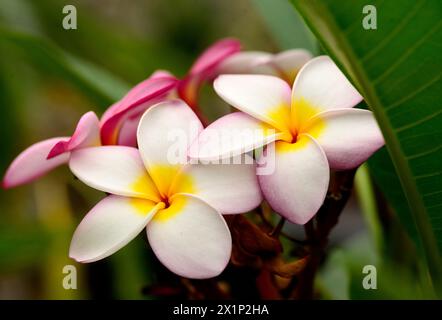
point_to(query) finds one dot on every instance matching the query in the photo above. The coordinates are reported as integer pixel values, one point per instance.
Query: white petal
(231, 187)
(297, 187)
(190, 238)
(232, 135)
(289, 62)
(243, 62)
(321, 86)
(109, 226)
(347, 136)
(114, 169)
(266, 98)
(164, 136)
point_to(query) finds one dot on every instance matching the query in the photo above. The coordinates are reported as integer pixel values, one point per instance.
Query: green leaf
(102, 87)
(286, 25)
(397, 68)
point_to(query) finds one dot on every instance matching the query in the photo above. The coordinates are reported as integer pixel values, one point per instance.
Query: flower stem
(317, 235)
(277, 230)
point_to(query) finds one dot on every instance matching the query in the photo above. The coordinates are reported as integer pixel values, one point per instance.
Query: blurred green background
(50, 76)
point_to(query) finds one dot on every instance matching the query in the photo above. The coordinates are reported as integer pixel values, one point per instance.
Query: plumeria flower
(179, 203)
(120, 121)
(284, 65)
(46, 155)
(310, 128)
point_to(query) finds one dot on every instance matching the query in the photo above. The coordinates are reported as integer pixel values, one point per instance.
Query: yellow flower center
(293, 122)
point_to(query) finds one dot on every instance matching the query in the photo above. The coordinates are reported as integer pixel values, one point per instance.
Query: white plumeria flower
(284, 65)
(312, 127)
(178, 204)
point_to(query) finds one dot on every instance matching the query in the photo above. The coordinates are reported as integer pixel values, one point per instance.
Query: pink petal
(128, 132)
(214, 55)
(33, 163)
(190, 238)
(347, 136)
(205, 68)
(297, 187)
(87, 134)
(140, 98)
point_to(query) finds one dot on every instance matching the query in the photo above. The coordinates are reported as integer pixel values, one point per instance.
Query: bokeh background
(50, 76)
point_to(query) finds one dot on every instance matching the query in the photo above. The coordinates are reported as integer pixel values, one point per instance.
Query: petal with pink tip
(320, 86)
(243, 62)
(165, 133)
(190, 238)
(205, 68)
(297, 187)
(32, 163)
(347, 136)
(109, 226)
(161, 74)
(230, 187)
(289, 62)
(266, 98)
(140, 98)
(114, 169)
(232, 135)
(87, 134)
(214, 55)
(128, 132)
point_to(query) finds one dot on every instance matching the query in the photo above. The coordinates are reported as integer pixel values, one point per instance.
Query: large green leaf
(397, 68)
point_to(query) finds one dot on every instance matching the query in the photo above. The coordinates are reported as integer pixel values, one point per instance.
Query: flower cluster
(301, 108)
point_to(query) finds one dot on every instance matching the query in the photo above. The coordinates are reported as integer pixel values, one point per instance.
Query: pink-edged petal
(288, 63)
(165, 133)
(266, 98)
(161, 74)
(113, 109)
(320, 86)
(347, 136)
(243, 62)
(190, 238)
(32, 163)
(140, 98)
(109, 226)
(117, 106)
(87, 134)
(232, 135)
(128, 132)
(114, 169)
(297, 187)
(230, 187)
(205, 68)
(214, 55)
